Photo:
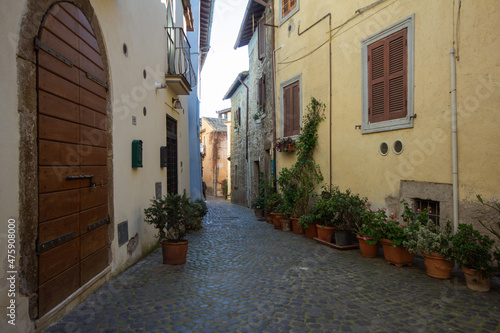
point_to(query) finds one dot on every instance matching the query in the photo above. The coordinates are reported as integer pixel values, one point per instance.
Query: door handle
(92, 184)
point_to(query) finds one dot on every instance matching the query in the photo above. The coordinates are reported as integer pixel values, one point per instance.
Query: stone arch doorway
(65, 183)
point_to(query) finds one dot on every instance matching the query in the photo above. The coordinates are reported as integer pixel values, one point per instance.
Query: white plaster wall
(139, 24)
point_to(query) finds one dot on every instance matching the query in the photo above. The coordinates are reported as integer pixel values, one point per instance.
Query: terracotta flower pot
(325, 233)
(398, 256)
(367, 250)
(312, 231)
(174, 253)
(437, 266)
(268, 217)
(296, 228)
(475, 281)
(258, 213)
(285, 224)
(277, 220)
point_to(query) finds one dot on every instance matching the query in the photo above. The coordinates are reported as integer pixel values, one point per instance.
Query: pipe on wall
(454, 140)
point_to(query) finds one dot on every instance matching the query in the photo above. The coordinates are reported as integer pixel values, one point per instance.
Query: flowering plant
(370, 224)
(285, 145)
(429, 238)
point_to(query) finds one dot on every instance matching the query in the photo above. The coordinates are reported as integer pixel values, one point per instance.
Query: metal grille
(432, 205)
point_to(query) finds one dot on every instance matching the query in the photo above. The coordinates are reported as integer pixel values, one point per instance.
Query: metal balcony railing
(178, 55)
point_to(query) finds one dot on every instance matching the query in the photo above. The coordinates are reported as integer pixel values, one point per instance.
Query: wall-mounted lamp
(177, 104)
(159, 85)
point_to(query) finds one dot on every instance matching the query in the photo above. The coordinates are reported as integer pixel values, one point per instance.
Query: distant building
(213, 139)
(252, 106)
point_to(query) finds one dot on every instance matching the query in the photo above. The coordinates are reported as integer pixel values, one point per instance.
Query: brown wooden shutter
(296, 108)
(387, 78)
(287, 6)
(262, 38)
(261, 98)
(287, 112)
(291, 104)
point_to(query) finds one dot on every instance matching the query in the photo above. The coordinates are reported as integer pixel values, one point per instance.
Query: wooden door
(72, 156)
(172, 172)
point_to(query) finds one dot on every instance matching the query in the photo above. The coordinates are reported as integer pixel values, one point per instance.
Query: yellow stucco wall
(427, 156)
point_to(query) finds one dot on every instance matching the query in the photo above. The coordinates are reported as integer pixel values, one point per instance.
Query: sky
(223, 63)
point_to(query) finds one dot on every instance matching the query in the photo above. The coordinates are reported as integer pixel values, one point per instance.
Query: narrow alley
(241, 275)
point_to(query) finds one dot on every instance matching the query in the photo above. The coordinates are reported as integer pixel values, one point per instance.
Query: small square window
(433, 206)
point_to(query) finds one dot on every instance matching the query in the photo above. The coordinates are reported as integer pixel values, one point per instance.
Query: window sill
(389, 125)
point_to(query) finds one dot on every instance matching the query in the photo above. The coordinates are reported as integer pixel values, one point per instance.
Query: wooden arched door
(73, 242)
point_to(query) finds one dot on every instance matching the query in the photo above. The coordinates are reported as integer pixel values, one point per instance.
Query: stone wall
(260, 131)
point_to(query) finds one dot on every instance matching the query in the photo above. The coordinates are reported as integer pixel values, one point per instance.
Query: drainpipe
(246, 141)
(275, 156)
(454, 141)
(246, 126)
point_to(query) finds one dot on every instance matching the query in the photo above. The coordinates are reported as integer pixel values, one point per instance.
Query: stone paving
(241, 275)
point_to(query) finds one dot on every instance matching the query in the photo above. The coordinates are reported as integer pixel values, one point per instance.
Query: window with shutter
(288, 8)
(291, 109)
(387, 78)
(387, 73)
(262, 38)
(261, 97)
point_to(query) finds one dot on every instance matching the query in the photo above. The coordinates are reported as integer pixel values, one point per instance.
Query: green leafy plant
(200, 210)
(337, 208)
(173, 217)
(496, 207)
(273, 200)
(256, 116)
(430, 238)
(472, 249)
(307, 220)
(301, 179)
(370, 224)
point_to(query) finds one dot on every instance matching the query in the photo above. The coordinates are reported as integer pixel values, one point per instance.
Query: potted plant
(258, 206)
(394, 234)
(200, 210)
(173, 217)
(307, 225)
(349, 207)
(324, 213)
(496, 233)
(435, 244)
(369, 230)
(285, 145)
(471, 250)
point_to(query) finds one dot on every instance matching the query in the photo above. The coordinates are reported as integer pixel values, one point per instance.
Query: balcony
(180, 75)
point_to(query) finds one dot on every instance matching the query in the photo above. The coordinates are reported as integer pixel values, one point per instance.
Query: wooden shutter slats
(296, 109)
(262, 38)
(377, 58)
(291, 112)
(288, 6)
(387, 78)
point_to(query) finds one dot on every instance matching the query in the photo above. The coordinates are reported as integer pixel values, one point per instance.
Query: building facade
(213, 139)
(411, 92)
(94, 125)
(252, 102)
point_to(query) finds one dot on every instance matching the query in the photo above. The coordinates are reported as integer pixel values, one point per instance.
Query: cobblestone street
(241, 275)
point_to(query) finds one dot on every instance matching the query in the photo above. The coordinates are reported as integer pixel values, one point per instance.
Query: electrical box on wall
(163, 157)
(137, 154)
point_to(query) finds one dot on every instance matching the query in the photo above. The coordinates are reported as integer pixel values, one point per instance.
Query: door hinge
(41, 46)
(96, 80)
(55, 241)
(98, 224)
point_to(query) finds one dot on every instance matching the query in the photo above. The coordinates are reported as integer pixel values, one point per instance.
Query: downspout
(454, 140)
(246, 144)
(246, 125)
(275, 156)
